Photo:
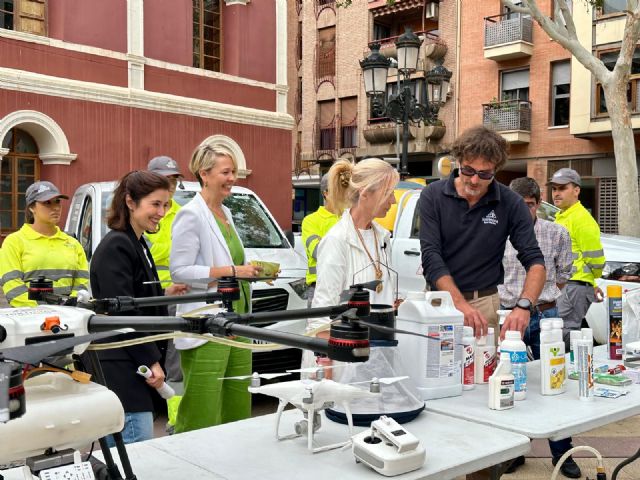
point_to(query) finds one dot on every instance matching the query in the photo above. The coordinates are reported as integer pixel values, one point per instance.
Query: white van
(260, 234)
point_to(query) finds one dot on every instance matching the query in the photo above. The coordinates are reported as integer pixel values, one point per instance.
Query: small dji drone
(311, 396)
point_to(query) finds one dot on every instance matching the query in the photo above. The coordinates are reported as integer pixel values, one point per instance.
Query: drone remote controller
(388, 448)
(74, 471)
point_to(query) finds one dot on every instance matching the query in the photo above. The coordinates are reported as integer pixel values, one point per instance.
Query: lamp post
(404, 108)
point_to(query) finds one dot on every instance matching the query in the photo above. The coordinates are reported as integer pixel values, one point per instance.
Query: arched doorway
(19, 168)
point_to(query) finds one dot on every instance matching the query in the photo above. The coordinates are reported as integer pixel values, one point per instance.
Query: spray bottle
(485, 357)
(552, 360)
(468, 358)
(614, 292)
(501, 385)
(514, 345)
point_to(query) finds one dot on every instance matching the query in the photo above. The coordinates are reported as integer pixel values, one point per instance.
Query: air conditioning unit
(431, 11)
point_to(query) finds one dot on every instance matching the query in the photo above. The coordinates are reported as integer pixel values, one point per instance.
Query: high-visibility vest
(160, 244)
(314, 227)
(27, 255)
(588, 255)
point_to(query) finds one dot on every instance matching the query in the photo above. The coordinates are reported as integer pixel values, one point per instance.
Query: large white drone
(311, 396)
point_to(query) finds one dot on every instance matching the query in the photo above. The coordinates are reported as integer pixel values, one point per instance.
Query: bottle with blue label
(518, 352)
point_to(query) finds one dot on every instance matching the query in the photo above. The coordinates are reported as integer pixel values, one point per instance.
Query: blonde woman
(357, 249)
(206, 245)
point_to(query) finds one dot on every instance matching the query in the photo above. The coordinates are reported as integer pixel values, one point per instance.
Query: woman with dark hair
(120, 266)
(41, 248)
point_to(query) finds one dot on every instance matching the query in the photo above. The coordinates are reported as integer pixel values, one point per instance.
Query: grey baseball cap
(564, 176)
(41, 192)
(324, 183)
(164, 165)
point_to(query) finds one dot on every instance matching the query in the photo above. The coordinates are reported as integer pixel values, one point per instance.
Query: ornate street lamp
(403, 107)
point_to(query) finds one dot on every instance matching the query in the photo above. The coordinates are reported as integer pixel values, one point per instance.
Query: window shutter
(32, 16)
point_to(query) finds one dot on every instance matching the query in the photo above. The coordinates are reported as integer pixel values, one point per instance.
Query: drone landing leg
(281, 405)
(340, 444)
(114, 473)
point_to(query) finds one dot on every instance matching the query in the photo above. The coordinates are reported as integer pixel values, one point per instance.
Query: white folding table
(248, 449)
(538, 416)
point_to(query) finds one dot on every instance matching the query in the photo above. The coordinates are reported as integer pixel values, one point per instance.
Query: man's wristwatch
(524, 304)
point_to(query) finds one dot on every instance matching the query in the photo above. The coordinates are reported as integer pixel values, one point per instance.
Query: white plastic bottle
(485, 357)
(468, 358)
(501, 385)
(545, 332)
(516, 348)
(552, 360)
(574, 336)
(434, 365)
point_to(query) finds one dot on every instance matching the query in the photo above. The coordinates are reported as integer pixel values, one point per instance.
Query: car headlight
(300, 287)
(623, 271)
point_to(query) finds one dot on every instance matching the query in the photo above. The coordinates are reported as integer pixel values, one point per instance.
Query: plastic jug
(514, 345)
(434, 364)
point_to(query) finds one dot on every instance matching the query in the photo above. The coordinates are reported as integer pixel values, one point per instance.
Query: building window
(327, 125)
(27, 16)
(6, 14)
(514, 85)
(349, 122)
(560, 91)
(633, 99)
(207, 35)
(326, 53)
(381, 31)
(607, 7)
(20, 168)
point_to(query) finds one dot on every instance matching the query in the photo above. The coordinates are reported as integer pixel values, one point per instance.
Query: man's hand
(473, 318)
(157, 379)
(598, 294)
(518, 320)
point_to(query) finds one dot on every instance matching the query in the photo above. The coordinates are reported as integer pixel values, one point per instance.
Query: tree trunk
(625, 155)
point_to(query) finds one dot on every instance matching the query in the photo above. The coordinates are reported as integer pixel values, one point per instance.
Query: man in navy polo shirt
(465, 222)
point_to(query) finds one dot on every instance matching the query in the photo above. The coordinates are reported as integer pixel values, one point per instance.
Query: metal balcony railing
(325, 63)
(507, 115)
(507, 28)
(388, 45)
(327, 137)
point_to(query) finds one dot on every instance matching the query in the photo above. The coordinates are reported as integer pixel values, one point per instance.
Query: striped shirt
(555, 243)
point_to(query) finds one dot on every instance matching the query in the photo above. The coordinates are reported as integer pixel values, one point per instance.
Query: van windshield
(255, 227)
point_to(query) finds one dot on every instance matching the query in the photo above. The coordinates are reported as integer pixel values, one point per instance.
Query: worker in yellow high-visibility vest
(314, 227)
(160, 247)
(588, 256)
(41, 249)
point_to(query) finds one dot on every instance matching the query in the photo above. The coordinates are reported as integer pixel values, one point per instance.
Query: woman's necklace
(376, 263)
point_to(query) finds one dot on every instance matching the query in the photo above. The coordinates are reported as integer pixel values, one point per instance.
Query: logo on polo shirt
(490, 218)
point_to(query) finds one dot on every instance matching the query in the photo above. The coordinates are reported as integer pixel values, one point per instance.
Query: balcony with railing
(432, 47)
(508, 36)
(510, 118)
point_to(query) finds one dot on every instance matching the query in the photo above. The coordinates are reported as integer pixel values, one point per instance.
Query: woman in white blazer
(357, 249)
(206, 245)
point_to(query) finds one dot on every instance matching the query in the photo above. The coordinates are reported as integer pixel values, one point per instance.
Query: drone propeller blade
(390, 380)
(33, 354)
(266, 376)
(313, 369)
(383, 380)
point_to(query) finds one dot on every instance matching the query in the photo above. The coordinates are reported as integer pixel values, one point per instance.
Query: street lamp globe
(438, 84)
(408, 47)
(374, 70)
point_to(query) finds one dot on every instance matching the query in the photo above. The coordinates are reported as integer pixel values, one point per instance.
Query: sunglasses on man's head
(468, 171)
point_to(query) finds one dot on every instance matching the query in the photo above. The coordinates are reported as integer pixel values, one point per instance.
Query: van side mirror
(289, 236)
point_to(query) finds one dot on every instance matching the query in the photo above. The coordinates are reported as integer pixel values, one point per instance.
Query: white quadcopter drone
(311, 397)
